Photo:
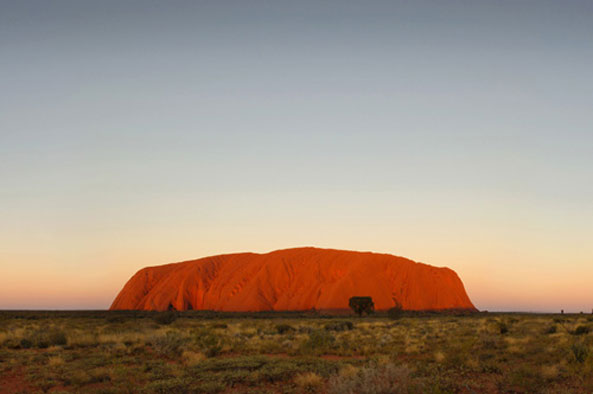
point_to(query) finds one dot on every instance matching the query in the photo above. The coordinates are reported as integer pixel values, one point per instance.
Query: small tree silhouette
(362, 305)
(396, 311)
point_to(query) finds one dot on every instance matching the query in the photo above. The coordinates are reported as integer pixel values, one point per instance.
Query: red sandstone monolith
(293, 280)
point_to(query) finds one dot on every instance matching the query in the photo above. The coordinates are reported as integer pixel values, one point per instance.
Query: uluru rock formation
(292, 280)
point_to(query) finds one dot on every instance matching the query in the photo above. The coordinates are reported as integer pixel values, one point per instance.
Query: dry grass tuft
(192, 358)
(348, 371)
(550, 372)
(309, 381)
(439, 356)
(55, 361)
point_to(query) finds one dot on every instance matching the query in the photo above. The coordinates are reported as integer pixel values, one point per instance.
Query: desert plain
(296, 352)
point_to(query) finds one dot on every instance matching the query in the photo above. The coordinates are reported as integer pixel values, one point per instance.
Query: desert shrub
(488, 341)
(319, 342)
(154, 369)
(285, 369)
(233, 377)
(373, 379)
(166, 386)
(362, 305)
(213, 351)
(278, 371)
(57, 337)
(581, 330)
(339, 326)
(99, 375)
(550, 372)
(77, 377)
(220, 325)
(503, 328)
(490, 366)
(255, 370)
(83, 339)
(192, 358)
(43, 338)
(81, 376)
(26, 343)
(551, 330)
(115, 318)
(527, 379)
(55, 361)
(305, 330)
(209, 387)
(309, 382)
(209, 342)
(396, 311)
(284, 328)
(324, 368)
(168, 344)
(165, 318)
(221, 364)
(579, 351)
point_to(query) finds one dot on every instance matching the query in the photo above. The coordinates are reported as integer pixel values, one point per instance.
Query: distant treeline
(131, 314)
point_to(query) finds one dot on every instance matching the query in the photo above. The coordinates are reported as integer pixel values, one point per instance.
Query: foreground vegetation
(171, 352)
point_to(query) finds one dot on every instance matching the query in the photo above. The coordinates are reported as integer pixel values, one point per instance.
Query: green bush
(209, 387)
(166, 386)
(525, 378)
(43, 338)
(305, 330)
(221, 364)
(115, 318)
(551, 330)
(396, 312)
(26, 343)
(169, 344)
(57, 337)
(284, 328)
(581, 330)
(209, 342)
(579, 351)
(319, 342)
(165, 318)
(339, 326)
(277, 371)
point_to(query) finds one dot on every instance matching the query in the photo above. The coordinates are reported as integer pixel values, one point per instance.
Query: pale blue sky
(138, 133)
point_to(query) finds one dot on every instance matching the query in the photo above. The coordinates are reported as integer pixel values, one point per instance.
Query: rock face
(291, 280)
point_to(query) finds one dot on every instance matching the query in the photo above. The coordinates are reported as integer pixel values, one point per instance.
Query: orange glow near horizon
(92, 272)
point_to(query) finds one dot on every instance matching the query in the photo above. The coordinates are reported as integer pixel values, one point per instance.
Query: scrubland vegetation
(171, 352)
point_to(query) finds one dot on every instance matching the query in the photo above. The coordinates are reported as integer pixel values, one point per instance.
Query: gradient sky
(455, 133)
